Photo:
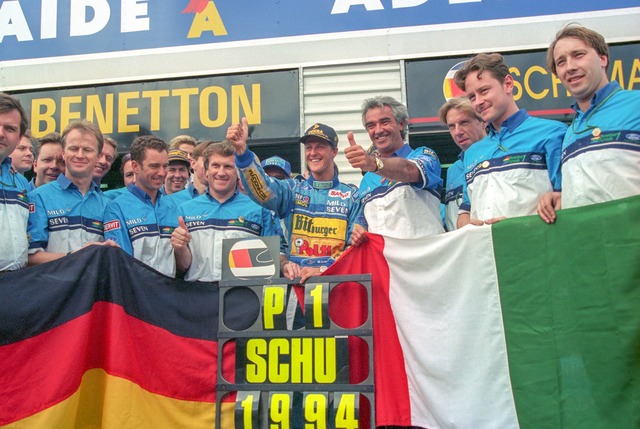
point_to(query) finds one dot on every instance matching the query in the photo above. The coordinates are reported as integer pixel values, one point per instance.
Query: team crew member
(319, 213)
(105, 159)
(507, 171)
(465, 128)
(178, 172)
(199, 184)
(49, 163)
(220, 213)
(601, 150)
(128, 177)
(141, 220)
(277, 167)
(14, 205)
(66, 214)
(401, 188)
(22, 155)
(185, 143)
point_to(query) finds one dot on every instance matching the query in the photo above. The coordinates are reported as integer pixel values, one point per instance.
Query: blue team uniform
(601, 150)
(61, 219)
(508, 171)
(143, 229)
(401, 209)
(453, 195)
(14, 218)
(319, 215)
(112, 194)
(209, 222)
(187, 194)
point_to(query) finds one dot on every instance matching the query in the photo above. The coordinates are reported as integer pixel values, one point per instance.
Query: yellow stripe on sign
(109, 402)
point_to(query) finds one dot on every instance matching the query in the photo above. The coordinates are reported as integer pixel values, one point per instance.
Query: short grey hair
(399, 110)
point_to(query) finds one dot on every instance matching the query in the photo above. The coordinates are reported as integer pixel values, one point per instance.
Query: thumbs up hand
(180, 236)
(357, 156)
(237, 135)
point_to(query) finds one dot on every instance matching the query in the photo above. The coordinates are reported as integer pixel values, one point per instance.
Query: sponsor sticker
(111, 225)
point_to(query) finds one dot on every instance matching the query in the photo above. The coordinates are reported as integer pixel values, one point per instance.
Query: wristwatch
(379, 164)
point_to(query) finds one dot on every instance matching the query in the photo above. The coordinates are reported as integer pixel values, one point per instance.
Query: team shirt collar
(511, 123)
(66, 183)
(599, 95)
(323, 184)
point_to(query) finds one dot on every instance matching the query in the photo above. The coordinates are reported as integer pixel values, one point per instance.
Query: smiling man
(401, 188)
(49, 163)
(518, 161)
(220, 213)
(66, 214)
(601, 150)
(178, 172)
(105, 159)
(141, 220)
(319, 213)
(465, 128)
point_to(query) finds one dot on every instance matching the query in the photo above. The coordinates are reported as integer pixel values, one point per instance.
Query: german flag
(98, 339)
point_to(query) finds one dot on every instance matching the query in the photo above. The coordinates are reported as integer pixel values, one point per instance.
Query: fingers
(352, 140)
(307, 272)
(180, 236)
(291, 270)
(237, 135)
(358, 236)
(245, 126)
(494, 220)
(182, 224)
(546, 207)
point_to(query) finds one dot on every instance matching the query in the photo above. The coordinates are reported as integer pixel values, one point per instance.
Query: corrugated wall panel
(333, 95)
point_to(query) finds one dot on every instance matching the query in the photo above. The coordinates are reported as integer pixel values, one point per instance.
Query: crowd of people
(182, 199)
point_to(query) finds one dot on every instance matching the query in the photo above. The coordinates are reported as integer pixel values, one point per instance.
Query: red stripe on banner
(241, 258)
(392, 388)
(42, 371)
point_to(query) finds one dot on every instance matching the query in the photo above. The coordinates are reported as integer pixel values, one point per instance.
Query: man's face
(222, 175)
(464, 127)
(104, 162)
(198, 169)
(187, 148)
(579, 67)
(177, 177)
(150, 174)
(128, 175)
(384, 131)
(22, 155)
(80, 154)
(49, 164)
(319, 156)
(490, 97)
(276, 172)
(9, 132)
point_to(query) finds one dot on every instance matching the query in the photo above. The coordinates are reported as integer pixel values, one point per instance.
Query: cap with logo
(177, 155)
(277, 162)
(323, 132)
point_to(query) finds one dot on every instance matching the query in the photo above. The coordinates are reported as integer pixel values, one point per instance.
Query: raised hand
(237, 135)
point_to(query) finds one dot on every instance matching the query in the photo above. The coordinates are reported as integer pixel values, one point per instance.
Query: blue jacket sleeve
(115, 227)
(38, 228)
(273, 194)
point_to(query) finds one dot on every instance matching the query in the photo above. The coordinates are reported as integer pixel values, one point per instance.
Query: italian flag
(516, 325)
